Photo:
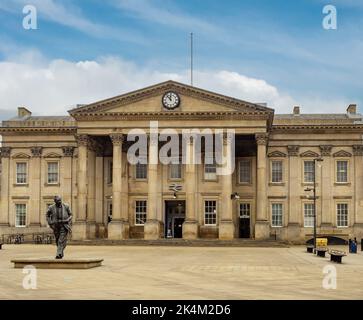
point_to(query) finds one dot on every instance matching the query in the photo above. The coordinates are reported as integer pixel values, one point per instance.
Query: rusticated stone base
(190, 230)
(79, 230)
(118, 230)
(226, 230)
(262, 230)
(152, 230)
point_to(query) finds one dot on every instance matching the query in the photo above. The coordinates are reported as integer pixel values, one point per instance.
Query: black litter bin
(361, 244)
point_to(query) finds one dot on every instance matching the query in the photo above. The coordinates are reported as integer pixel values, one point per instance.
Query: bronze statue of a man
(59, 218)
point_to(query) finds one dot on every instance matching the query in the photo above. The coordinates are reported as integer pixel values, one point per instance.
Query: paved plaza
(142, 272)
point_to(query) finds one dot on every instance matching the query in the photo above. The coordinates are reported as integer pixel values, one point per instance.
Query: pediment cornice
(237, 105)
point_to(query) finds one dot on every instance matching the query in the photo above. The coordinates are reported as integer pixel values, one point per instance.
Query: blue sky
(270, 51)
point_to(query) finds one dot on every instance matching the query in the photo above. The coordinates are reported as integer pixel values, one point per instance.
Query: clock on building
(170, 100)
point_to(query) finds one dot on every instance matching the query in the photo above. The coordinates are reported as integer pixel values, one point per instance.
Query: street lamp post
(314, 195)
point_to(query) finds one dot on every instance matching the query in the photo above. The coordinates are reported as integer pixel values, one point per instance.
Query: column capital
(261, 138)
(5, 152)
(36, 152)
(358, 150)
(82, 140)
(326, 150)
(117, 138)
(293, 151)
(68, 151)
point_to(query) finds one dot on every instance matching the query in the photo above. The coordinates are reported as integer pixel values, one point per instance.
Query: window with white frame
(308, 215)
(245, 171)
(210, 212)
(140, 212)
(276, 214)
(175, 170)
(210, 171)
(20, 215)
(110, 172)
(342, 170)
(309, 171)
(53, 172)
(342, 214)
(276, 171)
(244, 210)
(141, 171)
(21, 173)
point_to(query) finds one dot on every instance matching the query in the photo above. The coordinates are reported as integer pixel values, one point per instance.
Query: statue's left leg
(62, 242)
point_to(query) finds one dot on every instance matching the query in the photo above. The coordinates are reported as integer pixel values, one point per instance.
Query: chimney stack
(296, 111)
(352, 109)
(23, 112)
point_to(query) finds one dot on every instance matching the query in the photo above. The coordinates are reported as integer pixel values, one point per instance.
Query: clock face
(171, 100)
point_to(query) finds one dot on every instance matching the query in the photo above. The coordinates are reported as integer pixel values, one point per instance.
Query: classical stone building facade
(83, 158)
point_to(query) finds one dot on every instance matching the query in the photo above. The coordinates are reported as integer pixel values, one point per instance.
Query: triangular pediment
(149, 100)
(309, 154)
(277, 154)
(342, 154)
(21, 155)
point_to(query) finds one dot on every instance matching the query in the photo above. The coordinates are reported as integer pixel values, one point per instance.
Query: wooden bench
(309, 248)
(320, 251)
(336, 255)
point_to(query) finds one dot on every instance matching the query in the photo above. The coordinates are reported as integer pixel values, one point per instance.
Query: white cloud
(54, 87)
(71, 16)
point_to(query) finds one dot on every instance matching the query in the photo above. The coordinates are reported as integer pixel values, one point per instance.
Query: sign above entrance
(175, 187)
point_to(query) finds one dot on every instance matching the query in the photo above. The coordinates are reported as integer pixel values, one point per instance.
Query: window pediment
(309, 154)
(342, 154)
(21, 155)
(276, 154)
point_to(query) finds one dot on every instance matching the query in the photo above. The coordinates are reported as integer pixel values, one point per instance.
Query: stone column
(91, 194)
(358, 163)
(4, 194)
(294, 227)
(35, 171)
(262, 227)
(326, 189)
(190, 226)
(67, 164)
(100, 225)
(226, 225)
(80, 226)
(152, 227)
(118, 228)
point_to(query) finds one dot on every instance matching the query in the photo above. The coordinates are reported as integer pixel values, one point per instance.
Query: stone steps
(183, 242)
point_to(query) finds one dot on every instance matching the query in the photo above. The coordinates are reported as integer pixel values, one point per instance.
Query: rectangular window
(53, 172)
(110, 172)
(141, 171)
(244, 171)
(276, 171)
(210, 171)
(140, 212)
(244, 210)
(21, 173)
(276, 214)
(210, 212)
(342, 171)
(309, 171)
(175, 171)
(308, 215)
(20, 215)
(342, 214)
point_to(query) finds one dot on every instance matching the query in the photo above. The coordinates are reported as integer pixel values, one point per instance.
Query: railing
(36, 238)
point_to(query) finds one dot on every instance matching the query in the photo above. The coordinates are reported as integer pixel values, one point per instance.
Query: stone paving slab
(183, 273)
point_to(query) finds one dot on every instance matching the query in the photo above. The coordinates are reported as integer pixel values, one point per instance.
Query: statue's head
(58, 200)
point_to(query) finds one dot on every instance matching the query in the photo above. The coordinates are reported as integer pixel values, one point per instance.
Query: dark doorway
(174, 218)
(244, 220)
